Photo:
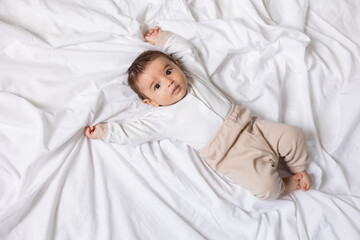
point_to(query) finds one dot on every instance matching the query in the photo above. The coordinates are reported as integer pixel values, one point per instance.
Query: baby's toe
(304, 186)
(298, 177)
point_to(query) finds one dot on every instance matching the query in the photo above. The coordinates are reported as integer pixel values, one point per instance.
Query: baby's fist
(99, 131)
(153, 35)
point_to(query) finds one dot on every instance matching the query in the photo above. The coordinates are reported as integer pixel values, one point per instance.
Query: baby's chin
(181, 97)
(174, 102)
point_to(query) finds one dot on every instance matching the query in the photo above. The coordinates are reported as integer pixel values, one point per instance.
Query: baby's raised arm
(179, 49)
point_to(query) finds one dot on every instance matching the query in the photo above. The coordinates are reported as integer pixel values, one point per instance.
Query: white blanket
(63, 66)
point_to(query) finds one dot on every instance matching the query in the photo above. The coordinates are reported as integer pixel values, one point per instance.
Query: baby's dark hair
(138, 67)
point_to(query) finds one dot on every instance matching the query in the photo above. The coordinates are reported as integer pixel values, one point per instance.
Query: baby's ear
(151, 103)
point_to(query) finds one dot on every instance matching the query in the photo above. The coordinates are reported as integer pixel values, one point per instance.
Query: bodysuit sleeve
(136, 132)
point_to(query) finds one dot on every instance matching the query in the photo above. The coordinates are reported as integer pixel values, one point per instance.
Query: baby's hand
(99, 131)
(153, 35)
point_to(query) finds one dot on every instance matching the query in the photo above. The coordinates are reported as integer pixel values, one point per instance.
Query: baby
(189, 108)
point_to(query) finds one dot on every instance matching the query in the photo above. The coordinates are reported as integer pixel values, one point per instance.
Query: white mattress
(63, 66)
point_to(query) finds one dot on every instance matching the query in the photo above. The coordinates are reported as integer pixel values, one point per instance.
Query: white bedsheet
(62, 66)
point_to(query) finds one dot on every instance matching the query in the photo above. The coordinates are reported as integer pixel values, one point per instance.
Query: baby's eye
(168, 72)
(157, 86)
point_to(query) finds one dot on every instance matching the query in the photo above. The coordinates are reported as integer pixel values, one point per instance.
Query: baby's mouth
(176, 90)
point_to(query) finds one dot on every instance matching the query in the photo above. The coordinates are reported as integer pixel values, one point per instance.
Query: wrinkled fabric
(63, 66)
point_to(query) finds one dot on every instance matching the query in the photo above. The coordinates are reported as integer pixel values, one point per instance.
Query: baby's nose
(170, 82)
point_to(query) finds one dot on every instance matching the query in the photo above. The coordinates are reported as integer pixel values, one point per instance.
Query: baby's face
(162, 82)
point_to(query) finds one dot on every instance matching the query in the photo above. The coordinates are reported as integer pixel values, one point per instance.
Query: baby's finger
(87, 132)
(92, 134)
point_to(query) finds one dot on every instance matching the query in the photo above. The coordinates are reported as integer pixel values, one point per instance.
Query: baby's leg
(286, 141)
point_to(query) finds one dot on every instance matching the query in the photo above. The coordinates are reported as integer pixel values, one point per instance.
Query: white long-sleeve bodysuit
(193, 120)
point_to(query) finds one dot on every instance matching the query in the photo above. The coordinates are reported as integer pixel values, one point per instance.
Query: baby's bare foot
(292, 183)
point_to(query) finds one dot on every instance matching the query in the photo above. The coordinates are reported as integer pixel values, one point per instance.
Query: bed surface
(63, 66)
